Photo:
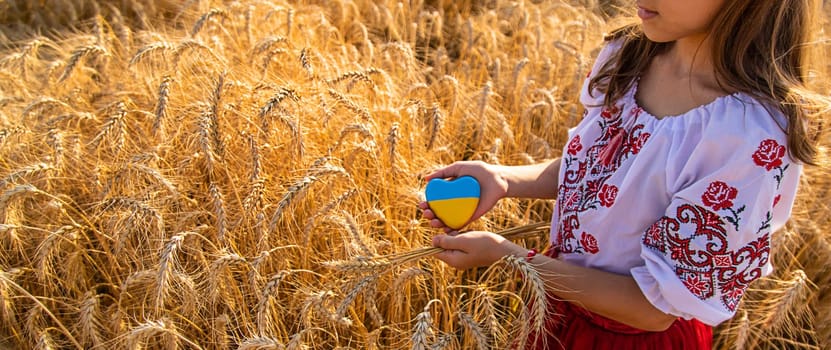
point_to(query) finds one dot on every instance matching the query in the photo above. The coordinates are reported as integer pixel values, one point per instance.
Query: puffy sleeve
(730, 189)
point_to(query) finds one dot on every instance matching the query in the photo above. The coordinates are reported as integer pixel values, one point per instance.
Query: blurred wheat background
(244, 174)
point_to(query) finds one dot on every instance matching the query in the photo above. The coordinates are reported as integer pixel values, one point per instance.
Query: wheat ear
(6, 283)
(261, 343)
(476, 331)
(357, 289)
(205, 18)
(161, 107)
(535, 286)
(147, 50)
(77, 55)
(89, 319)
(392, 140)
(423, 333)
(25, 172)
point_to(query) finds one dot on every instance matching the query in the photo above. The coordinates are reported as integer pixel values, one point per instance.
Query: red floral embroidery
(612, 131)
(732, 297)
(608, 113)
(654, 236)
(607, 195)
(719, 195)
(698, 284)
(593, 186)
(574, 146)
(584, 186)
(723, 260)
(636, 112)
(776, 200)
(571, 201)
(637, 143)
(677, 252)
(695, 242)
(769, 155)
(589, 243)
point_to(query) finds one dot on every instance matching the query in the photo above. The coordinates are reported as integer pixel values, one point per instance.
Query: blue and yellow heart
(453, 201)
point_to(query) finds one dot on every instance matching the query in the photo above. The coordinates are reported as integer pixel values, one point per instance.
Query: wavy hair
(764, 50)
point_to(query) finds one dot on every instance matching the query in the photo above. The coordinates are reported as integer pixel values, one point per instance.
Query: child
(686, 161)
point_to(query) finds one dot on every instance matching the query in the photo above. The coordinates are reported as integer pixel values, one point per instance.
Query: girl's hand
(493, 187)
(474, 248)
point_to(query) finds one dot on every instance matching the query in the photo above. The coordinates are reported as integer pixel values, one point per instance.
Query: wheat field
(245, 174)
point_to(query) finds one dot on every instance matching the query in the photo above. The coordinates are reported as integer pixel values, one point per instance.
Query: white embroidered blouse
(686, 204)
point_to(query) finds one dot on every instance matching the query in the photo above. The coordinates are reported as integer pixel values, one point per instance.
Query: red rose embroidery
(607, 195)
(769, 155)
(589, 243)
(574, 146)
(776, 200)
(719, 195)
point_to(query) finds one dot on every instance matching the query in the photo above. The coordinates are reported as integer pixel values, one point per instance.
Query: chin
(657, 36)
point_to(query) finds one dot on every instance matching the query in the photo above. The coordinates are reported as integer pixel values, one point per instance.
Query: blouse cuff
(671, 297)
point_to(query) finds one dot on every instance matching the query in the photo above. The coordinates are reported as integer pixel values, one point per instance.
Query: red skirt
(569, 326)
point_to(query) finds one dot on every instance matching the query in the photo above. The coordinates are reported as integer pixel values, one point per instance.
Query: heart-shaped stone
(453, 201)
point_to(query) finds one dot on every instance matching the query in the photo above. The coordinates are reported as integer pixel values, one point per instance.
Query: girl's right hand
(492, 183)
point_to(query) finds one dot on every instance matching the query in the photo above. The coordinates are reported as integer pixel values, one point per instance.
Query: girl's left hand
(474, 248)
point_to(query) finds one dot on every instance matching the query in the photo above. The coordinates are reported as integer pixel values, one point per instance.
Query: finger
(485, 205)
(436, 223)
(448, 242)
(428, 214)
(423, 205)
(451, 170)
(453, 258)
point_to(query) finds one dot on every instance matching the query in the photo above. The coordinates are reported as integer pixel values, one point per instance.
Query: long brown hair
(763, 50)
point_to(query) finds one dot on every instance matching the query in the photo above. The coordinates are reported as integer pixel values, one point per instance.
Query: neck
(690, 57)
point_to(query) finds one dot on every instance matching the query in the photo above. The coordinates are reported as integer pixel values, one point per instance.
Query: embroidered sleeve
(714, 237)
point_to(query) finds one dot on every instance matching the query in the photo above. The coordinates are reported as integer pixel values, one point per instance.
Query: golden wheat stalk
(357, 289)
(215, 12)
(535, 286)
(161, 46)
(423, 333)
(161, 107)
(164, 330)
(266, 44)
(6, 133)
(261, 343)
(25, 172)
(305, 61)
(475, 330)
(7, 283)
(80, 53)
(323, 211)
(89, 320)
(381, 264)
